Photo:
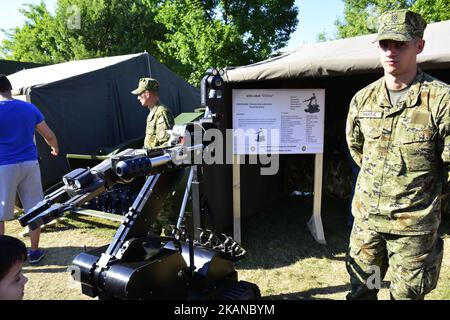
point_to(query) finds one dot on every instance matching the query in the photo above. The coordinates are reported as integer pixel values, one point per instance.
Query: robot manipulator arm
(83, 184)
(80, 186)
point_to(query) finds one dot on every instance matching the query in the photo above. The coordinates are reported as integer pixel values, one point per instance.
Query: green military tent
(9, 67)
(88, 104)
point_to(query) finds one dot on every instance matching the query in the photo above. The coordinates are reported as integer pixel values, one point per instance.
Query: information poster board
(278, 121)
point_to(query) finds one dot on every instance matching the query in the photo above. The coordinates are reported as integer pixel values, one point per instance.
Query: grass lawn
(282, 257)
(286, 262)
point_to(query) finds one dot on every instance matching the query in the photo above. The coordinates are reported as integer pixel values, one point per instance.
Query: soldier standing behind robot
(159, 121)
(398, 132)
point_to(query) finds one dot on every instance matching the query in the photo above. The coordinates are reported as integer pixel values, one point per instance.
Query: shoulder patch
(418, 117)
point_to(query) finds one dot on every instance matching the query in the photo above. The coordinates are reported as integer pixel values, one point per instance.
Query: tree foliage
(433, 10)
(187, 35)
(266, 25)
(104, 28)
(32, 42)
(361, 16)
(192, 43)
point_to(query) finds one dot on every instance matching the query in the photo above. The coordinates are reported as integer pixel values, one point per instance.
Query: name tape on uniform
(370, 114)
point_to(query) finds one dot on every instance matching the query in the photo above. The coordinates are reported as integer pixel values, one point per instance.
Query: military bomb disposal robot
(138, 264)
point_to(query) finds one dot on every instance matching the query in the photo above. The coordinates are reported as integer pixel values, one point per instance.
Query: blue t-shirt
(18, 120)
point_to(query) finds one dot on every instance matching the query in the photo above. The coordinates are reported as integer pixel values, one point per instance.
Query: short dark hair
(5, 85)
(12, 250)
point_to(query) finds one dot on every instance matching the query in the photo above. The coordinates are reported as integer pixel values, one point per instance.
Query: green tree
(187, 35)
(211, 32)
(266, 25)
(34, 41)
(83, 29)
(433, 10)
(361, 16)
(195, 41)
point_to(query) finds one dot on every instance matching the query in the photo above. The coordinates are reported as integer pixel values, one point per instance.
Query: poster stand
(300, 122)
(314, 224)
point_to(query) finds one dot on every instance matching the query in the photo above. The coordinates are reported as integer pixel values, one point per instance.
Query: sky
(315, 16)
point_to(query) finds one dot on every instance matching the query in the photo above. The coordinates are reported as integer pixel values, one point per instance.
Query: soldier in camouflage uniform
(398, 132)
(159, 121)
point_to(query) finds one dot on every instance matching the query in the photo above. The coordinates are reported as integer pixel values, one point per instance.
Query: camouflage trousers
(166, 218)
(414, 262)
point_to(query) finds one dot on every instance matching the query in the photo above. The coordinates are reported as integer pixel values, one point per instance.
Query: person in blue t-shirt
(19, 166)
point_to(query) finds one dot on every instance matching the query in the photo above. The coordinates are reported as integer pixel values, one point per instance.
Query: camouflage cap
(149, 84)
(400, 25)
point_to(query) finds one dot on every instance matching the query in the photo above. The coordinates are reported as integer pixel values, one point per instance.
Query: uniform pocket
(415, 135)
(432, 268)
(371, 127)
(418, 150)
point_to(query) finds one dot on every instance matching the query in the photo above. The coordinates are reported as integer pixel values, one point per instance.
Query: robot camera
(78, 178)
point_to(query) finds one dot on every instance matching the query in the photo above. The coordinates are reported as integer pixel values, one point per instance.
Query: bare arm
(49, 137)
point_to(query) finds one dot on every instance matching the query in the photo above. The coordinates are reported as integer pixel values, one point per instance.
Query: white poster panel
(278, 121)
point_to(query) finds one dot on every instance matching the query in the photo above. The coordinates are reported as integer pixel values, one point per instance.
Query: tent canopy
(89, 105)
(9, 66)
(355, 55)
(53, 73)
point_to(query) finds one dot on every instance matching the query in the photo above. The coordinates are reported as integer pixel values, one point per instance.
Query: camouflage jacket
(159, 120)
(404, 155)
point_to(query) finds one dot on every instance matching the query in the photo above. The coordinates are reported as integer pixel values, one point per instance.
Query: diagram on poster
(278, 121)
